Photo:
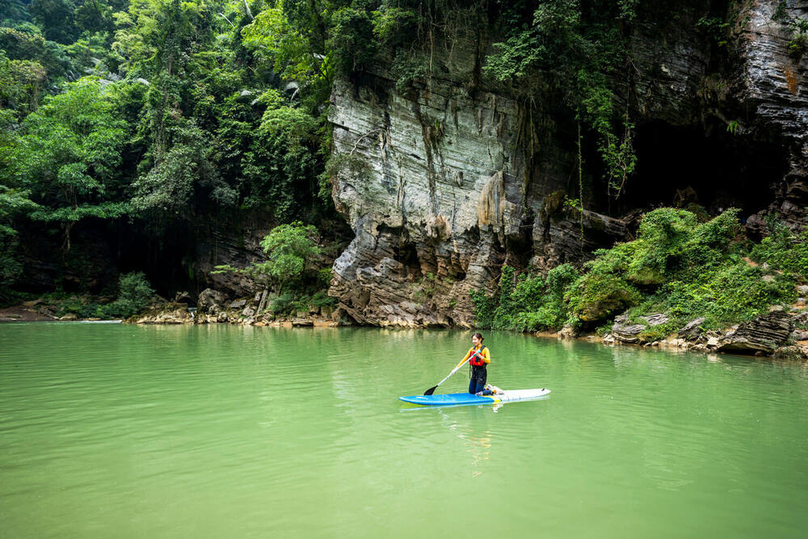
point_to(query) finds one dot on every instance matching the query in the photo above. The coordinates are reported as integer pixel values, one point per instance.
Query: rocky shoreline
(777, 334)
(213, 307)
(774, 334)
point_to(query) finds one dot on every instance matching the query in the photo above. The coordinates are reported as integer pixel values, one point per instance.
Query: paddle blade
(431, 390)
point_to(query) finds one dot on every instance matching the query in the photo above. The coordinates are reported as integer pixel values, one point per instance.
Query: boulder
(692, 329)
(238, 304)
(183, 297)
(656, 319)
(626, 332)
(763, 335)
(302, 322)
(793, 352)
(210, 301)
(165, 313)
(567, 332)
(798, 335)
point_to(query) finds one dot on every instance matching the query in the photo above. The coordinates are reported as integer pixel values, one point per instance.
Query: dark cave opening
(714, 168)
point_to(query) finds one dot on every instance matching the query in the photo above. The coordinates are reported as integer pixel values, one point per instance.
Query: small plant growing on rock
(290, 250)
(799, 36)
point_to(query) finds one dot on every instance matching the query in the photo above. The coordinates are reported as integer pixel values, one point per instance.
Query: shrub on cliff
(134, 295)
(783, 249)
(682, 268)
(676, 266)
(290, 265)
(526, 303)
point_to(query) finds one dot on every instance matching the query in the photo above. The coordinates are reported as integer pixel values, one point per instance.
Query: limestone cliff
(440, 187)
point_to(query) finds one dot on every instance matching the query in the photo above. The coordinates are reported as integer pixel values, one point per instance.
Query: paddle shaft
(431, 390)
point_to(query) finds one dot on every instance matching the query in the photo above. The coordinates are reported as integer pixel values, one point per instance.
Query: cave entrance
(712, 167)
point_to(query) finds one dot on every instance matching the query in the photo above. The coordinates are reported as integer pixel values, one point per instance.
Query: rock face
(625, 332)
(438, 200)
(692, 330)
(773, 86)
(166, 313)
(440, 188)
(763, 335)
(210, 301)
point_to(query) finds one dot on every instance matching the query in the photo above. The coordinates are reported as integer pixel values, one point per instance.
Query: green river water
(118, 431)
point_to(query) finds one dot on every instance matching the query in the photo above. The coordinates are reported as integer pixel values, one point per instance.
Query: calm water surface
(218, 431)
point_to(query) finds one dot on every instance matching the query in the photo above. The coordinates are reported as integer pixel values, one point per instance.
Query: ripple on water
(219, 431)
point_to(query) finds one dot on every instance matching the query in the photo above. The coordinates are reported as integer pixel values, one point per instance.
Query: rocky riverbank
(779, 334)
(214, 307)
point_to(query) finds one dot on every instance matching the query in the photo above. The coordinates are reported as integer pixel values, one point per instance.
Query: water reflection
(217, 431)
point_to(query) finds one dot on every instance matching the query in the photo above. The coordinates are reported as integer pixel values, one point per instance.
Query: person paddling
(478, 363)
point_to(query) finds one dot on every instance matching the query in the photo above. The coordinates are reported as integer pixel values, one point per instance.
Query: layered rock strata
(439, 200)
(437, 184)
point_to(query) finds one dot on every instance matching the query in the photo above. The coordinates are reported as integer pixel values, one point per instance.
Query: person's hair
(479, 336)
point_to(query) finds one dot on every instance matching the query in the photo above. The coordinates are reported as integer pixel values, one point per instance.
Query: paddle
(431, 390)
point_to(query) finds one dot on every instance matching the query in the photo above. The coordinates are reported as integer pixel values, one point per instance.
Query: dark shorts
(479, 375)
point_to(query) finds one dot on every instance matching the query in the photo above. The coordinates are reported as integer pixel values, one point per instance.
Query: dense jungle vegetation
(680, 265)
(154, 112)
(157, 112)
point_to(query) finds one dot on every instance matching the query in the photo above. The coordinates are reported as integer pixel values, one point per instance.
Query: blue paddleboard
(459, 399)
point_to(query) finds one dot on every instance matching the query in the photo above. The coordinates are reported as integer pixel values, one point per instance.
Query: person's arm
(486, 355)
(471, 351)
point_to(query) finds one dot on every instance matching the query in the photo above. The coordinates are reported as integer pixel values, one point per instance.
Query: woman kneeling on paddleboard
(478, 364)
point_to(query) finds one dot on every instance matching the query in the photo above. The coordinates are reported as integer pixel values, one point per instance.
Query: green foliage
(526, 303)
(352, 41)
(282, 304)
(134, 295)
(180, 175)
(574, 45)
(201, 108)
(290, 250)
(681, 267)
(784, 249)
(484, 309)
(21, 85)
(798, 28)
(283, 160)
(55, 17)
(322, 299)
(26, 43)
(678, 266)
(291, 36)
(599, 296)
(67, 155)
(518, 300)
(394, 25)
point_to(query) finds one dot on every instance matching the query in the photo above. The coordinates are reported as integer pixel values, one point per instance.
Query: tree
(182, 174)
(21, 83)
(55, 17)
(67, 156)
(283, 162)
(290, 249)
